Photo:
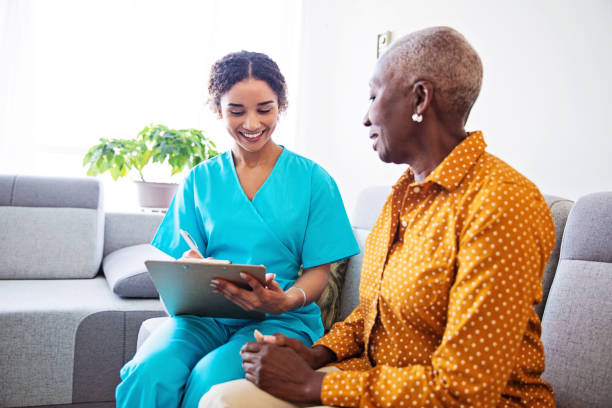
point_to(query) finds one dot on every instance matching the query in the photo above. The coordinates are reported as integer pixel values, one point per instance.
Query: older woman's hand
(282, 372)
(268, 299)
(316, 356)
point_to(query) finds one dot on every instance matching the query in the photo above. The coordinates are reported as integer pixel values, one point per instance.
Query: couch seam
(13, 191)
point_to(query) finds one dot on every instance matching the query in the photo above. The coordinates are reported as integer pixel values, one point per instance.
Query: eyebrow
(239, 105)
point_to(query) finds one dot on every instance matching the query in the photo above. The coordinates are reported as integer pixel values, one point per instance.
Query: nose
(366, 119)
(251, 121)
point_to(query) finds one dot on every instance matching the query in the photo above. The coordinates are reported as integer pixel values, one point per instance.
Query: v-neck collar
(237, 180)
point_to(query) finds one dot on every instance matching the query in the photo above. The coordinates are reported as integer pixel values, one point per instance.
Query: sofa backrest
(577, 321)
(369, 204)
(560, 208)
(126, 229)
(50, 227)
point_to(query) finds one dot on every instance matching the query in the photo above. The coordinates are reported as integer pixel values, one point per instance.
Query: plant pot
(155, 195)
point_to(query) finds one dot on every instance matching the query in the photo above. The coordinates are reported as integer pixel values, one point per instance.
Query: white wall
(545, 103)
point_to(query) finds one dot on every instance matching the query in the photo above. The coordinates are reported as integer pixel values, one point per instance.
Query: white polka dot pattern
(451, 272)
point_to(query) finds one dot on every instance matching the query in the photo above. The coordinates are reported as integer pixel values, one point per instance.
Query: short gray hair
(443, 56)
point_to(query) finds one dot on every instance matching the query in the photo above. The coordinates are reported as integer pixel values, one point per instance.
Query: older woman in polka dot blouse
(452, 268)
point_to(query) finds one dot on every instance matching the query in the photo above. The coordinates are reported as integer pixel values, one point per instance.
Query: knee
(215, 368)
(157, 368)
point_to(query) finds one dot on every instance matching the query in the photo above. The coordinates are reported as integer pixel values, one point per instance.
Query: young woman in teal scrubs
(258, 203)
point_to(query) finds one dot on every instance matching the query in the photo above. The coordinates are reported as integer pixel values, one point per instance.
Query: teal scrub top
(296, 218)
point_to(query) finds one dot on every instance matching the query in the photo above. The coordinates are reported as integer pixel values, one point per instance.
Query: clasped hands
(285, 367)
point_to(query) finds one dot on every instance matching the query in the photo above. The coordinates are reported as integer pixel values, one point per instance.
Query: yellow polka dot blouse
(451, 273)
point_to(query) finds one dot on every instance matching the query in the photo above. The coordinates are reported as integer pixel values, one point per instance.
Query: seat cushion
(64, 341)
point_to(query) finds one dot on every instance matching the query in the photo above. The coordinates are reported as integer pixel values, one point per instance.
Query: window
(73, 71)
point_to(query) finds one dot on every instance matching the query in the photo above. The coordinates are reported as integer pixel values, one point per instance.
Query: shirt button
(404, 223)
(416, 189)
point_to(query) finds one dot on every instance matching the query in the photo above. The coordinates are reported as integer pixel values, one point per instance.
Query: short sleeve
(181, 214)
(329, 236)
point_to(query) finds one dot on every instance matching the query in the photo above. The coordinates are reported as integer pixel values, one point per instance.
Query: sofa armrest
(126, 229)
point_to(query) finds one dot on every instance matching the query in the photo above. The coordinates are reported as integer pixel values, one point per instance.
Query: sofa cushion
(577, 321)
(126, 273)
(370, 202)
(49, 243)
(50, 228)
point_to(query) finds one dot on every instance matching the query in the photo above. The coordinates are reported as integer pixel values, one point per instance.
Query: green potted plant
(154, 144)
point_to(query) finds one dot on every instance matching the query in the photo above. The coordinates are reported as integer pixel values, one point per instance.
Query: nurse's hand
(267, 299)
(190, 254)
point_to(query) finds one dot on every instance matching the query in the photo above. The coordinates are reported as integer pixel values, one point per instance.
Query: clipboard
(184, 287)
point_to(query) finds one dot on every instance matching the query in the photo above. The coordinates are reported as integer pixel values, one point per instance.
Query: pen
(190, 242)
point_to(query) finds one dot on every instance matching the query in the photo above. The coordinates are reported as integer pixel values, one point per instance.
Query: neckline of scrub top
(237, 180)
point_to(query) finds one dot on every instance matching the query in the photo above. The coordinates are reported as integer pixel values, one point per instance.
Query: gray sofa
(63, 340)
(64, 334)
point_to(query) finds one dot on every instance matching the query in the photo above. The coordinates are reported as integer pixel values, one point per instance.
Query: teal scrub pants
(185, 357)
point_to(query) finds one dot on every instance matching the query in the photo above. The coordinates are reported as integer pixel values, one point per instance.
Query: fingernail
(214, 282)
(243, 275)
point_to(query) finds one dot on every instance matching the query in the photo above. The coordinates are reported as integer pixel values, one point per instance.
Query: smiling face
(250, 112)
(389, 116)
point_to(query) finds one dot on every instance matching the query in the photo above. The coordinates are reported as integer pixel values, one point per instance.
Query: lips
(374, 137)
(251, 137)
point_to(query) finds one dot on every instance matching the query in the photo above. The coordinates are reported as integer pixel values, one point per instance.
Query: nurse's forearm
(312, 283)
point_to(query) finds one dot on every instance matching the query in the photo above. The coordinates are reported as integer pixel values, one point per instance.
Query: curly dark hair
(238, 66)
